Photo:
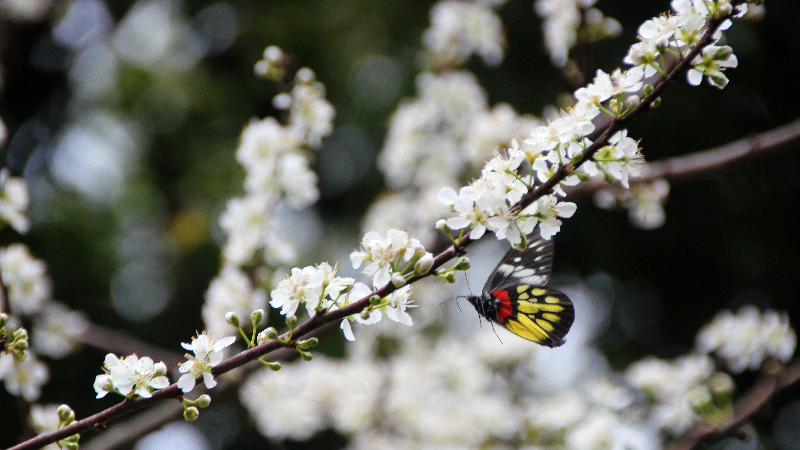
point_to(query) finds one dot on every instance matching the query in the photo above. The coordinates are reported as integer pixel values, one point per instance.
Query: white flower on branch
(208, 352)
(317, 287)
(743, 340)
(130, 375)
(384, 255)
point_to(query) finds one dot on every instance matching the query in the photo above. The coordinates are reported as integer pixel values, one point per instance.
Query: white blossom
(399, 301)
(461, 29)
(26, 279)
(382, 254)
(208, 352)
(130, 375)
(24, 378)
(230, 291)
(58, 330)
(14, 198)
(743, 340)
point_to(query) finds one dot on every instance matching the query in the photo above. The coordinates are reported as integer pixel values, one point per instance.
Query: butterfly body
(515, 297)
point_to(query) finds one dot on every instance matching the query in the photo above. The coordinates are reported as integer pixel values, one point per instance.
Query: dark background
(731, 237)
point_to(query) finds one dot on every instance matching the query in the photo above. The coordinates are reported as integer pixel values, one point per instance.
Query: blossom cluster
(501, 392)
(745, 339)
(450, 114)
(460, 29)
(276, 159)
(489, 202)
(130, 375)
(14, 197)
(387, 259)
(678, 33)
(562, 19)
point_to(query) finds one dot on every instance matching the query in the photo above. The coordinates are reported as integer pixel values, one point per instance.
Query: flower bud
(274, 366)
(191, 414)
(424, 264)
(203, 401)
(398, 280)
(256, 317)
(232, 319)
(307, 356)
(647, 89)
(700, 400)
(722, 389)
(375, 300)
(449, 276)
(632, 101)
(441, 225)
(462, 264)
(308, 343)
(3, 319)
(65, 414)
(291, 322)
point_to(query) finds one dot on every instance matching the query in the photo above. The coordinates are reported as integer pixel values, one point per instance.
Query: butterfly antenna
(495, 333)
(468, 286)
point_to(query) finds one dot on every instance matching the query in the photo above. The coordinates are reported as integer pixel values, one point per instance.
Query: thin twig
(753, 400)
(712, 160)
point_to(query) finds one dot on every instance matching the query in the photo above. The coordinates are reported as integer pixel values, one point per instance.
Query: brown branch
(98, 420)
(769, 385)
(115, 341)
(699, 163)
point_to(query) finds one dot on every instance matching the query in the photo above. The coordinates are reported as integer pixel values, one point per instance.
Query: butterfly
(514, 296)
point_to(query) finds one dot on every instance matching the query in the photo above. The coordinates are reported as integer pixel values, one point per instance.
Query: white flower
(311, 113)
(713, 61)
(25, 278)
(130, 375)
(627, 161)
(24, 378)
(333, 285)
(383, 253)
(399, 300)
(302, 286)
(359, 291)
(207, 354)
(656, 32)
(460, 29)
(44, 419)
(262, 141)
(744, 339)
(473, 208)
(14, 198)
(549, 209)
(230, 291)
(57, 331)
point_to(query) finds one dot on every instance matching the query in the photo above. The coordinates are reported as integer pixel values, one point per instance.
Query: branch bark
(764, 390)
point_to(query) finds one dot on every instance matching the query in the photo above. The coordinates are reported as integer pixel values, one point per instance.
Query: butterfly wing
(530, 266)
(535, 313)
(520, 302)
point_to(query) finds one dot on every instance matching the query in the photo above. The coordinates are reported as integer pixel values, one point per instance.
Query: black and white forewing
(531, 266)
